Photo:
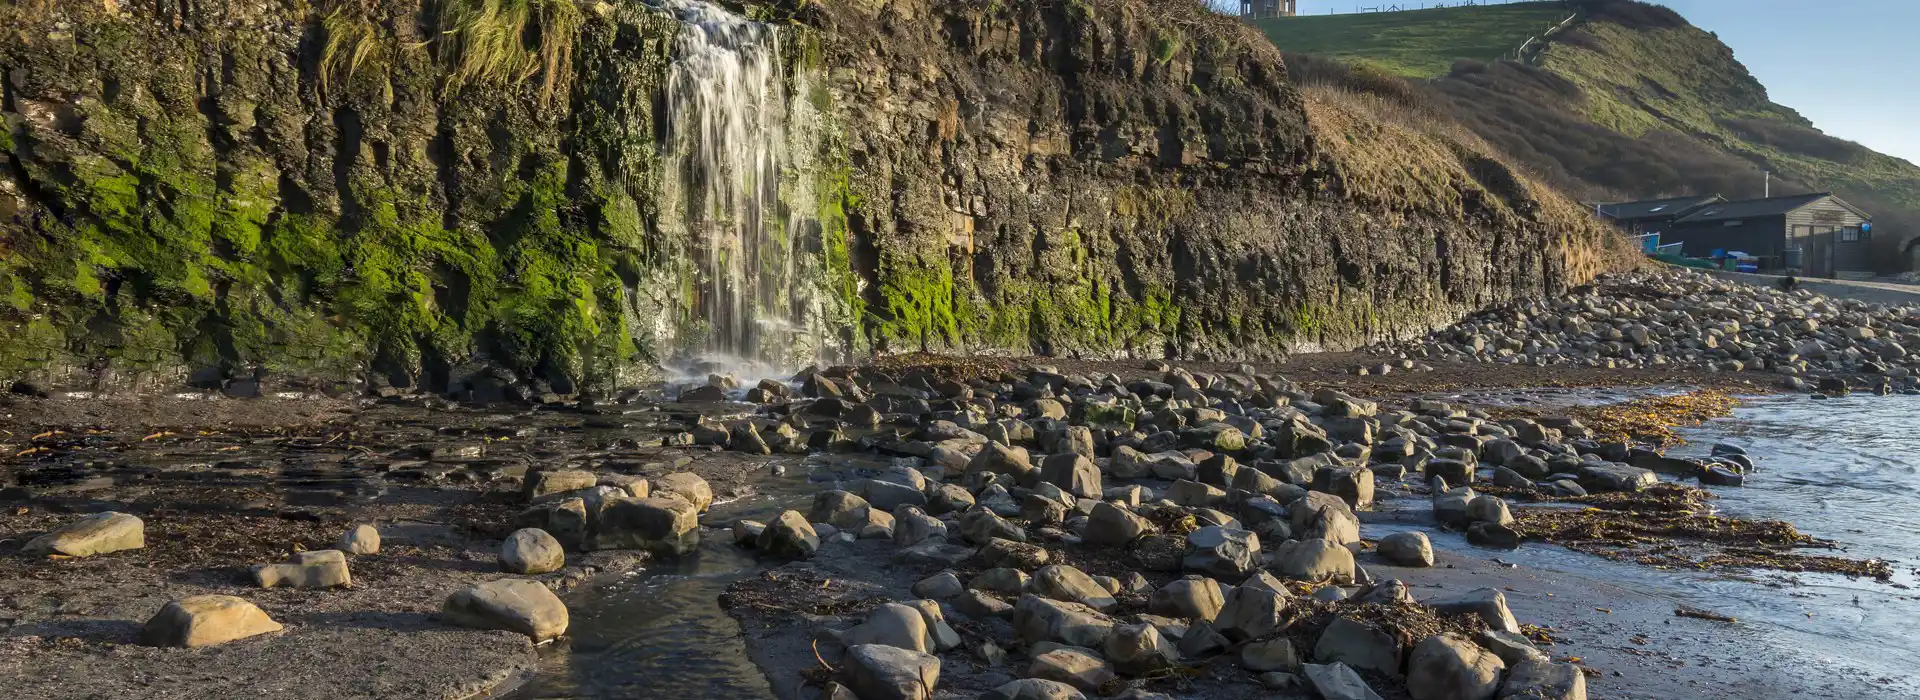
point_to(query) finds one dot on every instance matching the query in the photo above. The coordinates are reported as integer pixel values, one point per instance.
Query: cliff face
(384, 190)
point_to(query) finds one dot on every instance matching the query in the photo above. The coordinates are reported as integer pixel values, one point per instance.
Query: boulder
(531, 551)
(894, 625)
(1489, 603)
(1007, 553)
(1159, 552)
(913, 526)
(1489, 509)
(326, 568)
(100, 533)
(1336, 681)
(1037, 619)
(1446, 667)
(1611, 476)
(1324, 516)
(360, 539)
(1314, 560)
(995, 458)
(1139, 649)
(1539, 679)
(1061, 582)
(1114, 525)
(1002, 580)
(540, 484)
(949, 498)
(883, 672)
(889, 496)
(1450, 506)
(1074, 473)
(1407, 549)
(941, 585)
(789, 536)
(205, 620)
(662, 526)
(515, 605)
(1352, 484)
(1493, 535)
(1193, 597)
(981, 526)
(1080, 669)
(982, 605)
(1513, 649)
(1270, 655)
(1220, 551)
(1033, 689)
(685, 486)
(1251, 613)
(1359, 645)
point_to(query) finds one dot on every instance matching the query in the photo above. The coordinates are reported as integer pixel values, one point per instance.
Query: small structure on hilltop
(1266, 9)
(1813, 235)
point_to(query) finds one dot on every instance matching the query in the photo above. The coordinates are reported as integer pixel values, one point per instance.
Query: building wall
(1764, 237)
(1832, 237)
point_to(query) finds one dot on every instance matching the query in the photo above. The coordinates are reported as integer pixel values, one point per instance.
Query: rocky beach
(1337, 526)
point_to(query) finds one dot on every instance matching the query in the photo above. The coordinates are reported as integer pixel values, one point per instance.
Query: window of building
(1849, 235)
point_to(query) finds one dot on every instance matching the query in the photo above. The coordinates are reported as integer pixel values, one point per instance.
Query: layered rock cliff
(480, 195)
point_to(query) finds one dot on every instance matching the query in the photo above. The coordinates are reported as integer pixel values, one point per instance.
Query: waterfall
(732, 140)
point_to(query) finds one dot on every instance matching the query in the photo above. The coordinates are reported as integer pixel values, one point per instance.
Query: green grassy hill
(1418, 43)
(1631, 101)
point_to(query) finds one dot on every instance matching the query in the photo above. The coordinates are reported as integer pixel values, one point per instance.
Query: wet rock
(1717, 475)
(1251, 613)
(1193, 597)
(883, 672)
(1139, 649)
(1225, 552)
(1452, 470)
(685, 486)
(1359, 645)
(1539, 679)
(1493, 536)
(1034, 689)
(939, 586)
(100, 533)
(789, 536)
(1061, 582)
(326, 568)
(663, 526)
(1451, 506)
(1407, 549)
(839, 509)
(891, 624)
(1611, 476)
(746, 533)
(1314, 560)
(1446, 667)
(515, 605)
(360, 539)
(205, 620)
(1489, 509)
(1080, 669)
(531, 551)
(1489, 603)
(1336, 681)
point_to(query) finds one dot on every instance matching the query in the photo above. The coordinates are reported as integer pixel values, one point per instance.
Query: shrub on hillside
(1360, 77)
(1794, 138)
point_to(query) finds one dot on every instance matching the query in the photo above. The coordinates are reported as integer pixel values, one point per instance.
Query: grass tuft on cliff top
(1417, 43)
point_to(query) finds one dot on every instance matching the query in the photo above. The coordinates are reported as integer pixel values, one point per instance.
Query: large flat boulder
(100, 533)
(515, 605)
(205, 620)
(663, 526)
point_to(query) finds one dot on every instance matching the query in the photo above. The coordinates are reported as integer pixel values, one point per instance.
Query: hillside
(1630, 102)
(1416, 43)
(389, 192)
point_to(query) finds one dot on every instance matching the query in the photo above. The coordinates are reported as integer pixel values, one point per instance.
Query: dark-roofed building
(1815, 234)
(1652, 216)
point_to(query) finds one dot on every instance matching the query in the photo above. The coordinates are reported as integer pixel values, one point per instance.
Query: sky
(1851, 66)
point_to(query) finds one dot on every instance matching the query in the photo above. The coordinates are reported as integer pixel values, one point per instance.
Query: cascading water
(736, 146)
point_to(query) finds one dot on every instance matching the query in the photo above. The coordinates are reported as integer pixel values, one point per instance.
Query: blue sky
(1851, 66)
